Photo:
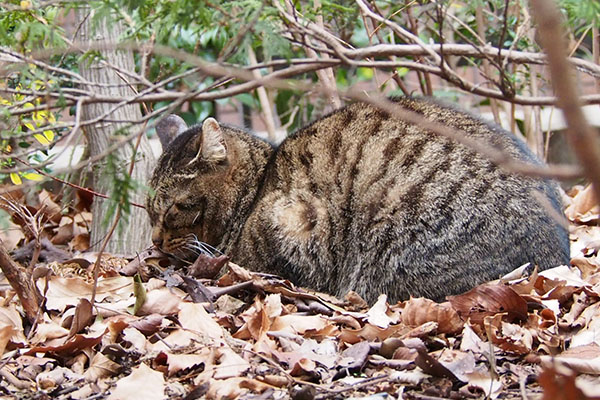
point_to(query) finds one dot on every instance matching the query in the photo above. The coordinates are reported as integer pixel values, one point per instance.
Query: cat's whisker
(198, 248)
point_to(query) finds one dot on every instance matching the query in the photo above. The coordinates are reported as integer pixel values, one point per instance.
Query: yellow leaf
(32, 176)
(16, 179)
(29, 125)
(39, 116)
(49, 135)
(41, 138)
(25, 4)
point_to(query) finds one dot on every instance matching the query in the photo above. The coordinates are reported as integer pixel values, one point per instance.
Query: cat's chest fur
(357, 201)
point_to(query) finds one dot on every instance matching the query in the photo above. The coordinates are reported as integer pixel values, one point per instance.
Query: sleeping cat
(357, 200)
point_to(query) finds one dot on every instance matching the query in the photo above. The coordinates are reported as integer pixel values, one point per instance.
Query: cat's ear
(213, 146)
(169, 128)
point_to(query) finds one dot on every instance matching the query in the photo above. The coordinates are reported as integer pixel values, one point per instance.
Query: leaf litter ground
(172, 333)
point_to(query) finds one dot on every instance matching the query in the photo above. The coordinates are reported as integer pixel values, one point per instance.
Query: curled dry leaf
(50, 209)
(83, 317)
(11, 324)
(380, 314)
(389, 346)
(488, 300)
(420, 310)
(509, 337)
(256, 322)
(585, 207)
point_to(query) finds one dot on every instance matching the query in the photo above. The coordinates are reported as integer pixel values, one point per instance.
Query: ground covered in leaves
(157, 332)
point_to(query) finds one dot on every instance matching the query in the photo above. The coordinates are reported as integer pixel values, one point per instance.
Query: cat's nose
(157, 239)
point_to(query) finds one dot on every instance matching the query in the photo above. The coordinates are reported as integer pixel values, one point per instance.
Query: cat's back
(391, 205)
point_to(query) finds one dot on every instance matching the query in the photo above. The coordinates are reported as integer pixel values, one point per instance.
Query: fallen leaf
(418, 311)
(488, 300)
(380, 315)
(63, 292)
(101, 367)
(142, 384)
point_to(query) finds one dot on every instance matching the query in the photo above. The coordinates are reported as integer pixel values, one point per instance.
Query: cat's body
(358, 200)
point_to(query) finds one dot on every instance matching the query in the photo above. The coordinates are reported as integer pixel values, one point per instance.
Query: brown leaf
(509, 337)
(370, 333)
(488, 300)
(420, 310)
(80, 242)
(354, 357)
(52, 210)
(72, 346)
(149, 257)
(432, 366)
(559, 385)
(207, 267)
(84, 316)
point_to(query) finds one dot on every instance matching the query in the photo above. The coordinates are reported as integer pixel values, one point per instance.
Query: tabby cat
(357, 200)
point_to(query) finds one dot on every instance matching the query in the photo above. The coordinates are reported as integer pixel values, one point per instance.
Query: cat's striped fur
(358, 200)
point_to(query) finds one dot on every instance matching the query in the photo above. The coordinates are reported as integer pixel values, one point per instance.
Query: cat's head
(196, 185)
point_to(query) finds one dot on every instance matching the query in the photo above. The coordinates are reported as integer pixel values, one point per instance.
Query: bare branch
(582, 139)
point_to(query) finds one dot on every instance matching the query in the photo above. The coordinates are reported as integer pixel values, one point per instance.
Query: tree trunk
(107, 80)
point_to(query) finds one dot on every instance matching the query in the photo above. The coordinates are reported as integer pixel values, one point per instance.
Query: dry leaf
(511, 338)
(163, 301)
(380, 315)
(101, 367)
(584, 207)
(63, 292)
(180, 362)
(142, 384)
(420, 310)
(488, 300)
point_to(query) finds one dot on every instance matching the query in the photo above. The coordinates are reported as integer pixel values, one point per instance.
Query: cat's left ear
(169, 128)
(213, 147)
